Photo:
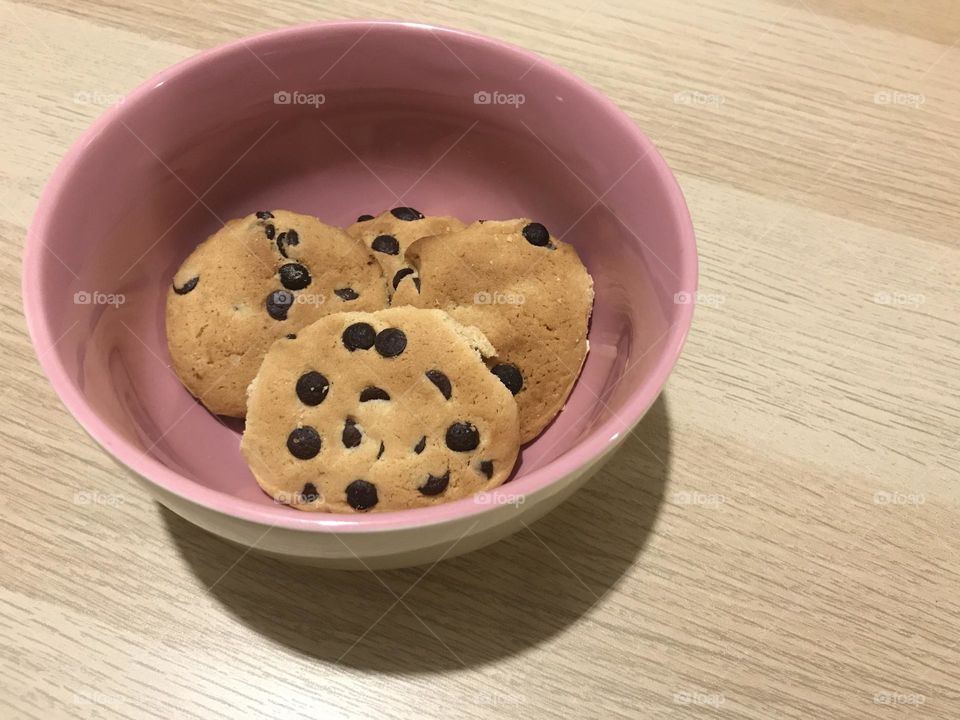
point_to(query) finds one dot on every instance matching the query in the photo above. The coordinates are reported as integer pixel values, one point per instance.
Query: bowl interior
(377, 115)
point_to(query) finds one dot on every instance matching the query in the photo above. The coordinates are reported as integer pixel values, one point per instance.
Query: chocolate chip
(509, 375)
(351, 434)
(380, 452)
(309, 493)
(359, 336)
(346, 293)
(264, 214)
(361, 495)
(406, 213)
(418, 448)
(391, 342)
(441, 381)
(386, 244)
(294, 276)
(187, 286)
(401, 274)
(536, 234)
(303, 443)
(269, 230)
(462, 437)
(486, 467)
(373, 393)
(435, 485)
(416, 283)
(278, 303)
(292, 336)
(364, 218)
(286, 239)
(312, 388)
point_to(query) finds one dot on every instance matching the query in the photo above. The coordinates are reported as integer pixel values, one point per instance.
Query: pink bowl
(339, 119)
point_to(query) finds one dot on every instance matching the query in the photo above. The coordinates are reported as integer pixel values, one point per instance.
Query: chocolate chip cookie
(527, 291)
(260, 278)
(379, 411)
(389, 234)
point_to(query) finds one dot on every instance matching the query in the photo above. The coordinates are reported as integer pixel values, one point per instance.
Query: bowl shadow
(462, 612)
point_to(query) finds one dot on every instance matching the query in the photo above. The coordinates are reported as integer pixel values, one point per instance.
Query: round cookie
(528, 292)
(379, 411)
(257, 279)
(389, 234)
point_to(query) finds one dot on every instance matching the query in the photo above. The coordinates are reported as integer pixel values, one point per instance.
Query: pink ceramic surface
(400, 123)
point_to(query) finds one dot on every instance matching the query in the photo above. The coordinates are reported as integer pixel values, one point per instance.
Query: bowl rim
(592, 447)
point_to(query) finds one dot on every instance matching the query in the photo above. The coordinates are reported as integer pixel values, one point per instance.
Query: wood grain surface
(777, 540)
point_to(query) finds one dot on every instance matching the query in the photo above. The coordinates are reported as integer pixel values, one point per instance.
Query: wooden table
(777, 540)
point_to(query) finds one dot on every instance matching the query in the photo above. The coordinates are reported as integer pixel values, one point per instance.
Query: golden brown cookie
(379, 411)
(528, 292)
(389, 234)
(257, 279)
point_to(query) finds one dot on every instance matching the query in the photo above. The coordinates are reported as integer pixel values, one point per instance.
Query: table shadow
(466, 611)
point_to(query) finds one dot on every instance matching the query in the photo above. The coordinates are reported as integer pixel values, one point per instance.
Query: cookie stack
(398, 363)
